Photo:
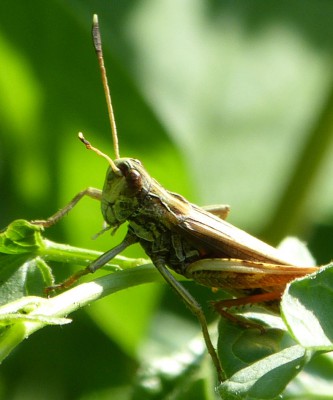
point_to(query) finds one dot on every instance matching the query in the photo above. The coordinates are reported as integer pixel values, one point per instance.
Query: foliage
(223, 102)
(251, 358)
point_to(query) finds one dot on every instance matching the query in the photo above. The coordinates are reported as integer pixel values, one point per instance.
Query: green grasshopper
(192, 241)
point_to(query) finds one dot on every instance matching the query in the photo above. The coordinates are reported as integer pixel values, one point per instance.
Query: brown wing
(225, 240)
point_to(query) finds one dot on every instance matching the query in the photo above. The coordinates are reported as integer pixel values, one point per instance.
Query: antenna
(99, 52)
(115, 169)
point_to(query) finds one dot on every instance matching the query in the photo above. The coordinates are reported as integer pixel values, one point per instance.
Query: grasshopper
(192, 241)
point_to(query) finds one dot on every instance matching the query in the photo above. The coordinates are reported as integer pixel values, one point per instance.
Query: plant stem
(52, 251)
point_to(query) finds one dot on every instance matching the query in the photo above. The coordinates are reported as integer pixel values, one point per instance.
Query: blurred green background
(223, 102)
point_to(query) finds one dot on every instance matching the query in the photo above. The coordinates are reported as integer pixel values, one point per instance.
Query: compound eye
(134, 175)
(134, 180)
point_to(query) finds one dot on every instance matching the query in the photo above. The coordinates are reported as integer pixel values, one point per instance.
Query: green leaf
(255, 382)
(306, 311)
(239, 347)
(20, 237)
(22, 271)
(21, 276)
(315, 382)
